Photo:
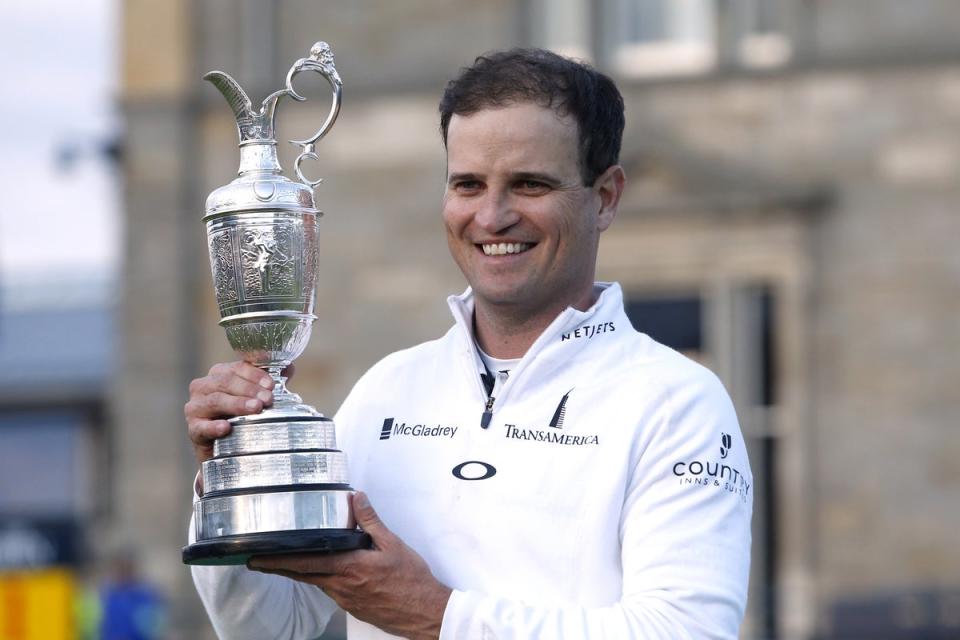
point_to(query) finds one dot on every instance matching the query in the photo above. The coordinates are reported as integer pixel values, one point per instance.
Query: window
(762, 40)
(653, 38)
(47, 462)
(47, 473)
(665, 37)
(674, 321)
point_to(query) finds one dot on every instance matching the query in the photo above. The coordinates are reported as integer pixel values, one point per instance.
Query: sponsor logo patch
(474, 470)
(557, 421)
(553, 434)
(714, 474)
(553, 437)
(392, 429)
(588, 331)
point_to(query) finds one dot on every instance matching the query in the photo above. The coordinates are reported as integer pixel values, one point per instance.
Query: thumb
(369, 521)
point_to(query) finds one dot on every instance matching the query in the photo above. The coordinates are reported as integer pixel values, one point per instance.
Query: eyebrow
(519, 176)
(535, 176)
(457, 177)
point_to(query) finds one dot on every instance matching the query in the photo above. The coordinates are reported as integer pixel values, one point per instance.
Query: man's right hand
(230, 389)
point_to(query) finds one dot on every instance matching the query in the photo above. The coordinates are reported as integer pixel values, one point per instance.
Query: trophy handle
(321, 61)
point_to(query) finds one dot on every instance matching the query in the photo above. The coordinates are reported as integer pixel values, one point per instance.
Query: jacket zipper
(487, 413)
(487, 416)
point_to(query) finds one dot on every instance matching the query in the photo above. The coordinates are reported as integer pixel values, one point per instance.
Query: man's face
(521, 224)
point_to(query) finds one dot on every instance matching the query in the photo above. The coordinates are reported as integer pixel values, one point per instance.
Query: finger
(243, 370)
(293, 575)
(301, 563)
(235, 380)
(253, 374)
(235, 385)
(207, 396)
(370, 522)
(215, 405)
(326, 584)
(204, 432)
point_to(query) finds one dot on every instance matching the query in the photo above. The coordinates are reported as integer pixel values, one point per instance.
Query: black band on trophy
(226, 550)
(280, 488)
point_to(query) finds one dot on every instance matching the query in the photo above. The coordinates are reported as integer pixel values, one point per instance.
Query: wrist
(435, 607)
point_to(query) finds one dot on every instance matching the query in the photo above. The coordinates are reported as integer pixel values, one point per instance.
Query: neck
(507, 332)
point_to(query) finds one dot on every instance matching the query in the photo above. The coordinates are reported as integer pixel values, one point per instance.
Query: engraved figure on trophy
(277, 483)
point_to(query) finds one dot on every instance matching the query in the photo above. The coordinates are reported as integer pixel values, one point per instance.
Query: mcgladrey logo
(716, 474)
(392, 428)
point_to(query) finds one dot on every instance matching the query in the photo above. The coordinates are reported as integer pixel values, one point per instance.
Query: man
(130, 608)
(592, 483)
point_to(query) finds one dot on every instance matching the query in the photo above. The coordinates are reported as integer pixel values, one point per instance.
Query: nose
(496, 213)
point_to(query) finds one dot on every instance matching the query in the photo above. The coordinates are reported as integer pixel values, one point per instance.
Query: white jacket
(609, 497)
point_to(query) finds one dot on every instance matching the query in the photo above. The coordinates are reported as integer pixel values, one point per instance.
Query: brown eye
(532, 187)
(467, 186)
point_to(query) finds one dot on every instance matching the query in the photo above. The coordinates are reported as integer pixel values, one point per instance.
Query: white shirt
(600, 501)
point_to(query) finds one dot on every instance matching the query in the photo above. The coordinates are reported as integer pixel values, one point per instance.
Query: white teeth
(504, 248)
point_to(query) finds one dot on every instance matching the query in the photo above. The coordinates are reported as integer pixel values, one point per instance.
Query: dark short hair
(542, 77)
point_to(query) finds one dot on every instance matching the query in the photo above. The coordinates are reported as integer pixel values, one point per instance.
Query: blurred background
(790, 221)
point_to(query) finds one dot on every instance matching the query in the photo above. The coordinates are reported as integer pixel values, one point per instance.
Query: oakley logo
(474, 470)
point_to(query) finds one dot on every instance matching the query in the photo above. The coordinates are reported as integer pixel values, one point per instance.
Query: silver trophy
(277, 483)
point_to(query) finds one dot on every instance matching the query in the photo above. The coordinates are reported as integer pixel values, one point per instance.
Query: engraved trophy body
(277, 483)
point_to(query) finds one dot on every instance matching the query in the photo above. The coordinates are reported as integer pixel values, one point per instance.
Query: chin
(502, 298)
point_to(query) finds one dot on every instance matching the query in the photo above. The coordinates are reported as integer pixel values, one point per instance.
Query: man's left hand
(389, 586)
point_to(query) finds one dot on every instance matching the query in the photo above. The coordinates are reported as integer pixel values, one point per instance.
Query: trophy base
(236, 550)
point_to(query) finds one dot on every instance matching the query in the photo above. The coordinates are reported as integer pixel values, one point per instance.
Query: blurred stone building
(790, 221)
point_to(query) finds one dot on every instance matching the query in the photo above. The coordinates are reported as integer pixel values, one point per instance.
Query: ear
(609, 186)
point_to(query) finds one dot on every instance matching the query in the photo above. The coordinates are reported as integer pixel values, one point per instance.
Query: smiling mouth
(505, 248)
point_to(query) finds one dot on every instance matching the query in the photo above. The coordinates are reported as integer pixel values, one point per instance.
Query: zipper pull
(487, 416)
(487, 413)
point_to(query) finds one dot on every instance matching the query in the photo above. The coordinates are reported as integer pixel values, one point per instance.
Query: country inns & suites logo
(704, 473)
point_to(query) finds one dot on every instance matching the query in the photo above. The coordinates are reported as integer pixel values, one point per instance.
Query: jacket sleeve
(684, 535)
(249, 605)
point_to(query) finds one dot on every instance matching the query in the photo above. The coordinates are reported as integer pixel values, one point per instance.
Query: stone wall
(834, 181)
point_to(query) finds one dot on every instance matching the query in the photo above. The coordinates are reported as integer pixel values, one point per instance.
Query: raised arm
(242, 604)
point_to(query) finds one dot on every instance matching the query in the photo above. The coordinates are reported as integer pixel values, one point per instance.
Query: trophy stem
(281, 395)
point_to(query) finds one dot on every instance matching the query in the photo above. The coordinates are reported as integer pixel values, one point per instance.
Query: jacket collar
(609, 303)
(560, 341)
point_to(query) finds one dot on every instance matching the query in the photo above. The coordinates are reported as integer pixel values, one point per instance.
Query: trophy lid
(260, 184)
